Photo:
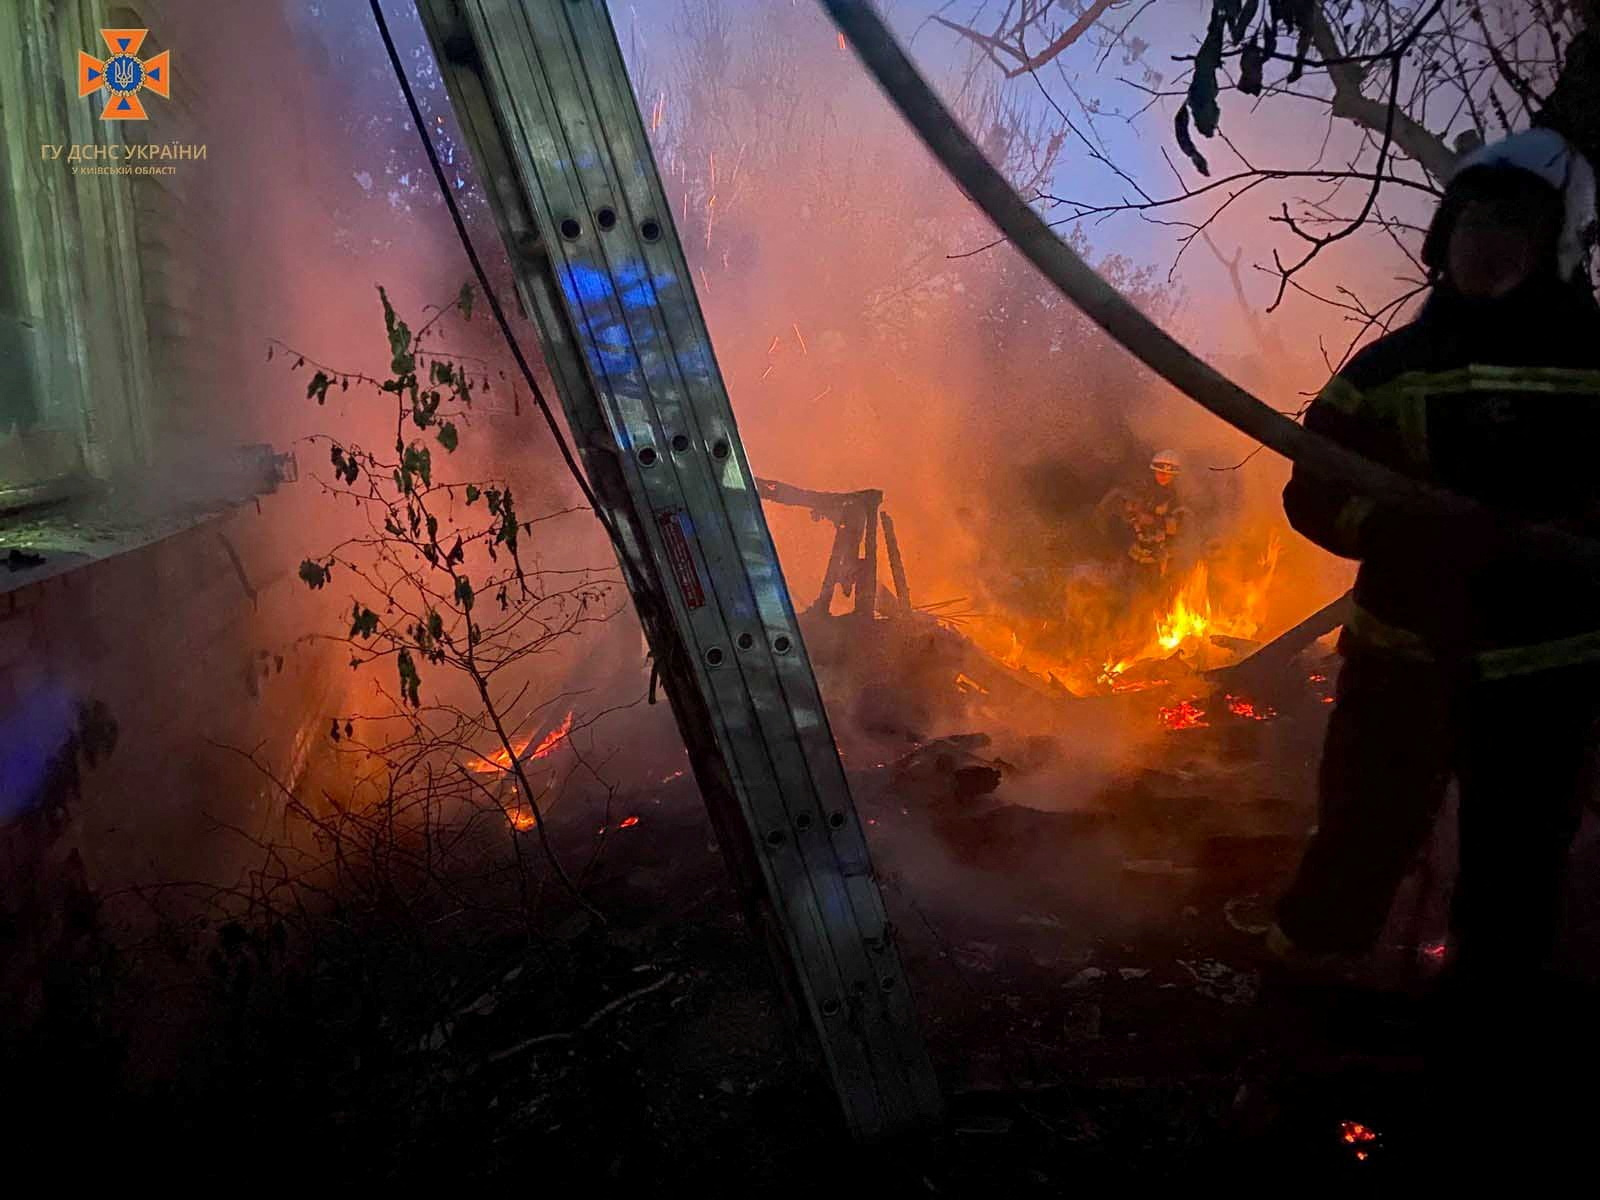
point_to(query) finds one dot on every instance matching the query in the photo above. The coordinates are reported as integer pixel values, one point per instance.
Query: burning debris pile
(1178, 652)
(1107, 631)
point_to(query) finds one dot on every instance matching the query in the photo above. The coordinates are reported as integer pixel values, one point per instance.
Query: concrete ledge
(73, 535)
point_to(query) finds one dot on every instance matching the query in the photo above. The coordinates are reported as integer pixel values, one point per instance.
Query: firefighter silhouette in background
(1150, 519)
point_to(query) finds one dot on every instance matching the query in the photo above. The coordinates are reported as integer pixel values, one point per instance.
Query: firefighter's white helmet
(1547, 155)
(1166, 462)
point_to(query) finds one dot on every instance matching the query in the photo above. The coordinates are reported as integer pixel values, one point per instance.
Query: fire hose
(1144, 339)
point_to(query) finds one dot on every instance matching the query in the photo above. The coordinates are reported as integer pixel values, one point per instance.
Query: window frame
(72, 259)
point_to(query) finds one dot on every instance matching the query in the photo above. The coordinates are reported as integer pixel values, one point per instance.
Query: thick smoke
(874, 336)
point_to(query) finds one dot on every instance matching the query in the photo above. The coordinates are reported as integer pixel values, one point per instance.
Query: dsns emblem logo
(124, 75)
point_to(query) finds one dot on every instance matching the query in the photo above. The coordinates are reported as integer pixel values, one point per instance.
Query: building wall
(190, 647)
(130, 684)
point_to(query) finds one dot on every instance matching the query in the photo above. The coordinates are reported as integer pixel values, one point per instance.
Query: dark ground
(1091, 1010)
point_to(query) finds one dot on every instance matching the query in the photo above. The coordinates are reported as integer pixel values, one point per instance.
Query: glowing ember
(628, 822)
(1185, 714)
(1249, 710)
(1359, 1137)
(1434, 952)
(501, 761)
(522, 819)
(966, 683)
(1354, 1132)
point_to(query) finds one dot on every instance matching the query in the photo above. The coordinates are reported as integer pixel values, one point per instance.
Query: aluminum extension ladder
(545, 104)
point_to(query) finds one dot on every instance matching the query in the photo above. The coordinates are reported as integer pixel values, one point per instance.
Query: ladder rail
(553, 123)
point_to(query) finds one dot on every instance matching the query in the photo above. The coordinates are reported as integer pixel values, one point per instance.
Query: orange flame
(1190, 614)
(501, 761)
(1195, 616)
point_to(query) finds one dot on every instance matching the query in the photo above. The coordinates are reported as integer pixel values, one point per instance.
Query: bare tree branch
(1382, 117)
(997, 44)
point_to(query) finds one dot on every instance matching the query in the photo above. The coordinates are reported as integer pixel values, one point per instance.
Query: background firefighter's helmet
(1545, 155)
(1166, 462)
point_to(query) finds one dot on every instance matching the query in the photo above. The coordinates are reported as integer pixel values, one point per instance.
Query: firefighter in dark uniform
(1151, 517)
(1467, 656)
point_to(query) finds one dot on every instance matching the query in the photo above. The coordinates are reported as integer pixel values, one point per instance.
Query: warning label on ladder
(683, 568)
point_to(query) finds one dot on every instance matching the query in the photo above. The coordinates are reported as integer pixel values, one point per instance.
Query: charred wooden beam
(1268, 664)
(897, 566)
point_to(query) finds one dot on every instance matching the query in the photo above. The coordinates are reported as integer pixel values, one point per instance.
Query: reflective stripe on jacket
(1499, 401)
